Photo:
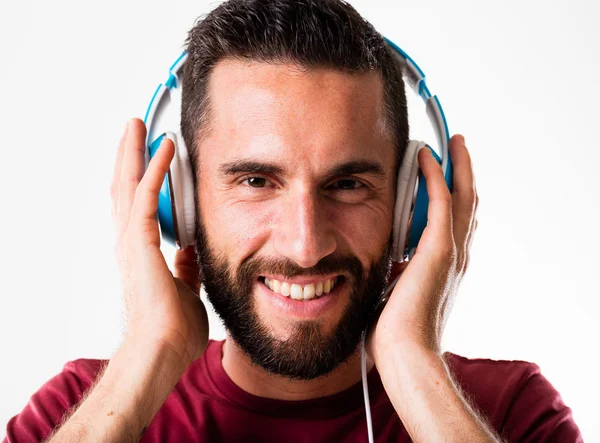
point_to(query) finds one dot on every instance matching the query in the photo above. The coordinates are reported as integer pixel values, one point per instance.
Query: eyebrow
(250, 167)
(368, 167)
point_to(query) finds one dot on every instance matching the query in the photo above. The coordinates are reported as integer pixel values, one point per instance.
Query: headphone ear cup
(405, 193)
(165, 212)
(183, 201)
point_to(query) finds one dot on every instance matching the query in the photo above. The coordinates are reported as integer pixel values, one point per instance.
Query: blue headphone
(176, 203)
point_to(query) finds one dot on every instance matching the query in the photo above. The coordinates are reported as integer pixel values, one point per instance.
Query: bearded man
(294, 114)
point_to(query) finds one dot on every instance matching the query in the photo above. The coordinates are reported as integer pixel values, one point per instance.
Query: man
(295, 117)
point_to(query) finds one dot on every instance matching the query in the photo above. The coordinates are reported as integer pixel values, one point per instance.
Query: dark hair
(309, 33)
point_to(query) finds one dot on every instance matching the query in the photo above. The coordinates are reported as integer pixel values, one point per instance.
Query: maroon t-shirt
(207, 406)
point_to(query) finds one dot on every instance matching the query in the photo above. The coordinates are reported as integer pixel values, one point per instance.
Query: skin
(258, 111)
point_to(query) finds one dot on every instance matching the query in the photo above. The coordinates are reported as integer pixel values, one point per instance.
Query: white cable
(363, 358)
(363, 370)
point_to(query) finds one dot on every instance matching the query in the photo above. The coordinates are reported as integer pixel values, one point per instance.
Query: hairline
(385, 122)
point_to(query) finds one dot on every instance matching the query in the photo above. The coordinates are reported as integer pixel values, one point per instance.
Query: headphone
(176, 203)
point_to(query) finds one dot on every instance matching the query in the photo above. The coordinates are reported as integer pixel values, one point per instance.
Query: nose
(303, 233)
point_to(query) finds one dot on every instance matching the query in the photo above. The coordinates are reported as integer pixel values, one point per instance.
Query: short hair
(308, 33)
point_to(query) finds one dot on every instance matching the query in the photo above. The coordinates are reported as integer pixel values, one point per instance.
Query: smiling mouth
(309, 291)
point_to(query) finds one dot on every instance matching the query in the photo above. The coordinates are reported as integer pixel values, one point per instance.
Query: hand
(420, 303)
(161, 310)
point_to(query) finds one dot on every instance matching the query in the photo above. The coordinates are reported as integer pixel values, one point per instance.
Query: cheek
(363, 229)
(238, 229)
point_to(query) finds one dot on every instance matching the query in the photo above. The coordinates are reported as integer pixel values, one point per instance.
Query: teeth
(275, 286)
(309, 291)
(296, 292)
(299, 292)
(319, 288)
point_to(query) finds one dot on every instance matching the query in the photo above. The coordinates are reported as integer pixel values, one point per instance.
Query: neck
(256, 381)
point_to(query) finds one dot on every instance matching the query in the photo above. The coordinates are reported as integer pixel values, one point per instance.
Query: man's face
(295, 185)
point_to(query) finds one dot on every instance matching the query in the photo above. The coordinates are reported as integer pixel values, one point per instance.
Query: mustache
(334, 263)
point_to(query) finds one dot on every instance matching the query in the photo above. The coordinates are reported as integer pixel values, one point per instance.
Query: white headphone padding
(183, 191)
(405, 189)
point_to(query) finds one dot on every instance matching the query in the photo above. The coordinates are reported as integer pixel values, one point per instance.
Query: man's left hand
(420, 303)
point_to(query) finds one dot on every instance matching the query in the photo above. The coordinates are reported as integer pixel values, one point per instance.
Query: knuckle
(467, 195)
(467, 260)
(462, 262)
(445, 198)
(471, 195)
(145, 229)
(129, 182)
(466, 220)
(452, 254)
(447, 252)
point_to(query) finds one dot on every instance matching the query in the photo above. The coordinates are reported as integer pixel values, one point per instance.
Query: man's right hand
(161, 310)
(167, 322)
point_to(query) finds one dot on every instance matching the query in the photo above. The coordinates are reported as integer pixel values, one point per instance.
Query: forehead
(283, 110)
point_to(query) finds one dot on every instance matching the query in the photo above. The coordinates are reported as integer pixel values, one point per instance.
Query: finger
(132, 170)
(463, 194)
(437, 236)
(473, 231)
(474, 221)
(114, 186)
(145, 202)
(470, 236)
(186, 268)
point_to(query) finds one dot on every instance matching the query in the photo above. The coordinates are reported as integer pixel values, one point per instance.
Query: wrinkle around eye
(366, 193)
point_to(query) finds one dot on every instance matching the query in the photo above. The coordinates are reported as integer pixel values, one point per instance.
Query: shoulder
(46, 408)
(483, 375)
(84, 369)
(76, 377)
(518, 400)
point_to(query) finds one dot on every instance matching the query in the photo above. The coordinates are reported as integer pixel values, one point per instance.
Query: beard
(307, 352)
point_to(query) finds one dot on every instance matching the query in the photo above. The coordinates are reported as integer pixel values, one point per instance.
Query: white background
(518, 78)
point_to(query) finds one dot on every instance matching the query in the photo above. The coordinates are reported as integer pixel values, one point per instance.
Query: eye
(347, 184)
(256, 182)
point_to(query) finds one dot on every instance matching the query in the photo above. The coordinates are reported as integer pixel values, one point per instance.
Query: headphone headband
(160, 100)
(416, 79)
